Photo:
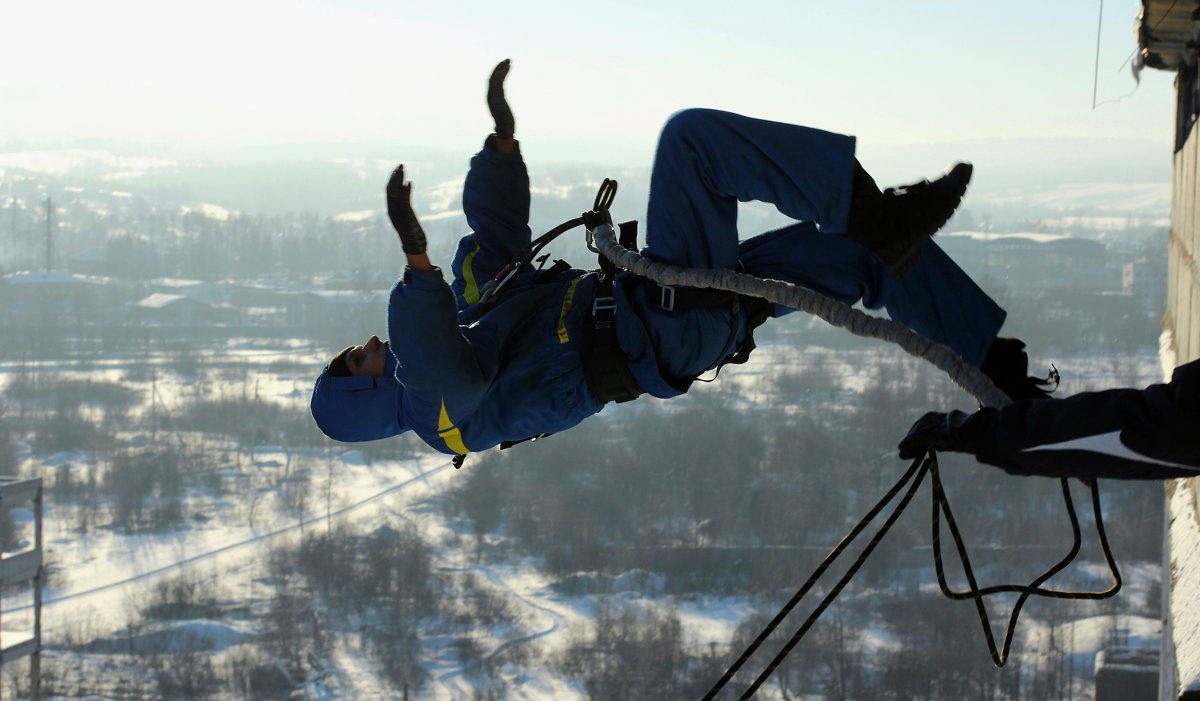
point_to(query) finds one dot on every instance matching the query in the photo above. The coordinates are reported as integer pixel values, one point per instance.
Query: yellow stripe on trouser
(449, 433)
(568, 301)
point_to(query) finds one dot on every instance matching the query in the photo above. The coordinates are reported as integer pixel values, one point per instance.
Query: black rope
(913, 478)
(605, 195)
(488, 293)
(1102, 536)
(919, 467)
(1000, 657)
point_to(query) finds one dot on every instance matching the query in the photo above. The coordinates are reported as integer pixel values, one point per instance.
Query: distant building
(54, 295)
(331, 308)
(1147, 281)
(362, 280)
(1047, 262)
(211, 292)
(1126, 674)
(162, 308)
(262, 304)
(93, 261)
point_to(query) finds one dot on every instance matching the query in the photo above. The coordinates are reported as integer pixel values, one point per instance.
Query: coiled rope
(963, 374)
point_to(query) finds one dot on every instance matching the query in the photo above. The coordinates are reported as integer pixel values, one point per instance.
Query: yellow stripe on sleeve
(449, 433)
(568, 301)
(471, 293)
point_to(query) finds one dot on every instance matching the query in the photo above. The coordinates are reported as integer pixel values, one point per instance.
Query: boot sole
(901, 255)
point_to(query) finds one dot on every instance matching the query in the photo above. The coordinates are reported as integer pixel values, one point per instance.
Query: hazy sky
(589, 80)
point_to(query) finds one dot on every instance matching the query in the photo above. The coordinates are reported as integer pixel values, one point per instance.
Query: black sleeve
(1121, 433)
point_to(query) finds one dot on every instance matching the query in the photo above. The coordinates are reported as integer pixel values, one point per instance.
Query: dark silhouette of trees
(629, 653)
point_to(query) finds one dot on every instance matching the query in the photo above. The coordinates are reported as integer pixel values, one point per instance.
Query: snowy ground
(102, 574)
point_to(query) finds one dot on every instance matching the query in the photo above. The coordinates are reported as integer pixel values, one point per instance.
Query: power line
(1096, 70)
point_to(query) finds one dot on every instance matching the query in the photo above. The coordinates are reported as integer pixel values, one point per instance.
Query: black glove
(595, 217)
(957, 432)
(1007, 365)
(506, 126)
(400, 211)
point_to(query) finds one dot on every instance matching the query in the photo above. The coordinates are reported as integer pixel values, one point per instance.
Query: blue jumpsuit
(516, 371)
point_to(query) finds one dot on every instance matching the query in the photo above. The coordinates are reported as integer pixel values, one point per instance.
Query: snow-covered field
(101, 576)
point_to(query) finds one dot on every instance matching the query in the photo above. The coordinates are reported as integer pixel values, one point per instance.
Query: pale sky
(589, 80)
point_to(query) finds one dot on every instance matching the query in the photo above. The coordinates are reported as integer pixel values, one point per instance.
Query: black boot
(1007, 365)
(894, 224)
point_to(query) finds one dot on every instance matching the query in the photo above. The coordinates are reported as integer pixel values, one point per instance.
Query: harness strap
(508, 444)
(669, 298)
(757, 311)
(607, 366)
(604, 362)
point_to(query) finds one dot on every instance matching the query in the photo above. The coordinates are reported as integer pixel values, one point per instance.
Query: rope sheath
(787, 294)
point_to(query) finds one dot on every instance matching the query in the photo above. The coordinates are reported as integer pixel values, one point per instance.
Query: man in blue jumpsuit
(466, 382)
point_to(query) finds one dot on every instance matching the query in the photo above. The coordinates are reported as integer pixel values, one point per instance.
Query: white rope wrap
(832, 311)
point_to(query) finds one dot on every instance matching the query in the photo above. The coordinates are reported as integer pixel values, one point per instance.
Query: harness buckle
(666, 298)
(601, 304)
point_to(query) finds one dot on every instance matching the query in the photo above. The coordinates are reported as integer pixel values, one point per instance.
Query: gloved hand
(501, 114)
(596, 217)
(957, 432)
(400, 211)
(1007, 365)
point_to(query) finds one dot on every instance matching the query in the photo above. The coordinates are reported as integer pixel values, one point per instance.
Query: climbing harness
(606, 366)
(966, 376)
(671, 288)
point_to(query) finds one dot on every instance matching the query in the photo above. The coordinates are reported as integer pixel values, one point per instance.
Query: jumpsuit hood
(358, 408)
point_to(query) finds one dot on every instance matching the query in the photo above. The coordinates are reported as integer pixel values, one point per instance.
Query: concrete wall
(1181, 336)
(1182, 318)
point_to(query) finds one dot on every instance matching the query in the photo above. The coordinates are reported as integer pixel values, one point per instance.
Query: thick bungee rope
(834, 312)
(602, 238)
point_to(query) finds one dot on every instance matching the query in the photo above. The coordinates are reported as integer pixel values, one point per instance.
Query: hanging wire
(1152, 30)
(1096, 70)
(1125, 63)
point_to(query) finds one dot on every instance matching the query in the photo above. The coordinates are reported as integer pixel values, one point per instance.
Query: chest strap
(605, 364)
(669, 298)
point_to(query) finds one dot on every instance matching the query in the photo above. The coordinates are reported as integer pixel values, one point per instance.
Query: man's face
(368, 359)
